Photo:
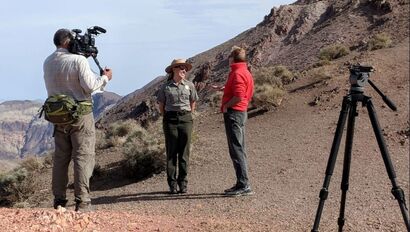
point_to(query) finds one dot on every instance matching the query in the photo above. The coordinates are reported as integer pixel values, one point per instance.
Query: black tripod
(358, 78)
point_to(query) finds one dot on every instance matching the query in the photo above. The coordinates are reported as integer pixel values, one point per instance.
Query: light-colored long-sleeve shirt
(70, 74)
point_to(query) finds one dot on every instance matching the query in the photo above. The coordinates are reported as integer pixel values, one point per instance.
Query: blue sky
(141, 40)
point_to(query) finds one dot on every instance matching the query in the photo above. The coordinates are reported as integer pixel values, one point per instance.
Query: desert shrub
(113, 141)
(379, 41)
(16, 186)
(16, 175)
(318, 74)
(48, 160)
(142, 162)
(267, 95)
(121, 128)
(321, 63)
(273, 75)
(297, 75)
(333, 52)
(100, 139)
(284, 74)
(32, 164)
(144, 151)
(266, 75)
(269, 83)
(117, 134)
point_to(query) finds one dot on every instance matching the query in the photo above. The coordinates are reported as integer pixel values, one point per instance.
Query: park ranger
(176, 99)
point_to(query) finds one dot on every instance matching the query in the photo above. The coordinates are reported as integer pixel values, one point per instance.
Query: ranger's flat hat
(177, 62)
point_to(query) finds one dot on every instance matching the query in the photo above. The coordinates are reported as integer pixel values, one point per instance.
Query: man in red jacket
(238, 93)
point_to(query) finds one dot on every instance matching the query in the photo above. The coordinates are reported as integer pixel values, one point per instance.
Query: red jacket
(239, 84)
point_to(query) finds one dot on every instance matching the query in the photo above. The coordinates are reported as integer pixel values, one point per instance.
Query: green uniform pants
(178, 130)
(74, 142)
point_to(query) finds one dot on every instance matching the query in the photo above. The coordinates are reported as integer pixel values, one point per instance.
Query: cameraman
(70, 74)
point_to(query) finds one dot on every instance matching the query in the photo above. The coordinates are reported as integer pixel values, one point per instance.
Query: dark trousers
(178, 131)
(235, 133)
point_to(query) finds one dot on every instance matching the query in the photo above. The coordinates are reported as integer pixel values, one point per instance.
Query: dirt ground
(288, 151)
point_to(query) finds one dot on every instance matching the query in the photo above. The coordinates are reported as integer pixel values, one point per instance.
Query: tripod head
(359, 77)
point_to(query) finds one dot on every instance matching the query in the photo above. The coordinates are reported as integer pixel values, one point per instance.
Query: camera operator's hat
(178, 62)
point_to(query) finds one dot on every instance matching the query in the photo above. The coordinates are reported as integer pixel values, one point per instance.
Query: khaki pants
(74, 142)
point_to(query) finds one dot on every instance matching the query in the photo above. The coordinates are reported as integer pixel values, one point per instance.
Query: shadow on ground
(153, 196)
(110, 177)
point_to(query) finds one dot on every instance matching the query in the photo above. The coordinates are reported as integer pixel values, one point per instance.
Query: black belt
(177, 113)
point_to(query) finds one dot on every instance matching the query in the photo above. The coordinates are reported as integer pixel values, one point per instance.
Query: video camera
(85, 44)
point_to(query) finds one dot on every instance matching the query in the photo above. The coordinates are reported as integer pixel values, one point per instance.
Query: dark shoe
(245, 191)
(60, 202)
(173, 190)
(235, 187)
(83, 206)
(183, 189)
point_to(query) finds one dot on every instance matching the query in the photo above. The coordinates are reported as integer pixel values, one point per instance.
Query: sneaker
(183, 189)
(231, 189)
(173, 190)
(83, 206)
(60, 202)
(245, 191)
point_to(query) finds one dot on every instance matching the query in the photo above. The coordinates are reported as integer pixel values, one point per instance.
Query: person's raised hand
(108, 72)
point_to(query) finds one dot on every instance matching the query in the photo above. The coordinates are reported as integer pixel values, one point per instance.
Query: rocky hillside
(103, 101)
(23, 133)
(292, 36)
(139, 105)
(15, 119)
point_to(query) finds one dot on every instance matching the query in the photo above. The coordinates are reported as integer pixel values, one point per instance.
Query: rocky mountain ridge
(139, 105)
(292, 36)
(23, 133)
(15, 119)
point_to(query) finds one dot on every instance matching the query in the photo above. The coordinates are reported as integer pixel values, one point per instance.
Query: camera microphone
(100, 29)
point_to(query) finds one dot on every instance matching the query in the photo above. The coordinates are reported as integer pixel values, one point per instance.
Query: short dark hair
(62, 36)
(238, 54)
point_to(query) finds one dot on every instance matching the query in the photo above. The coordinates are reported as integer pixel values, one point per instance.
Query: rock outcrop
(23, 133)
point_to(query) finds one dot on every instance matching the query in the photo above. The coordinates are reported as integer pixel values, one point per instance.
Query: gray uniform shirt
(177, 97)
(70, 74)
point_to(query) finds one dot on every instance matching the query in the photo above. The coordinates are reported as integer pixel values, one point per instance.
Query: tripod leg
(332, 160)
(397, 192)
(346, 163)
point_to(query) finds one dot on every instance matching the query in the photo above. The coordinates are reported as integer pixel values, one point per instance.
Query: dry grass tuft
(267, 95)
(379, 41)
(333, 52)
